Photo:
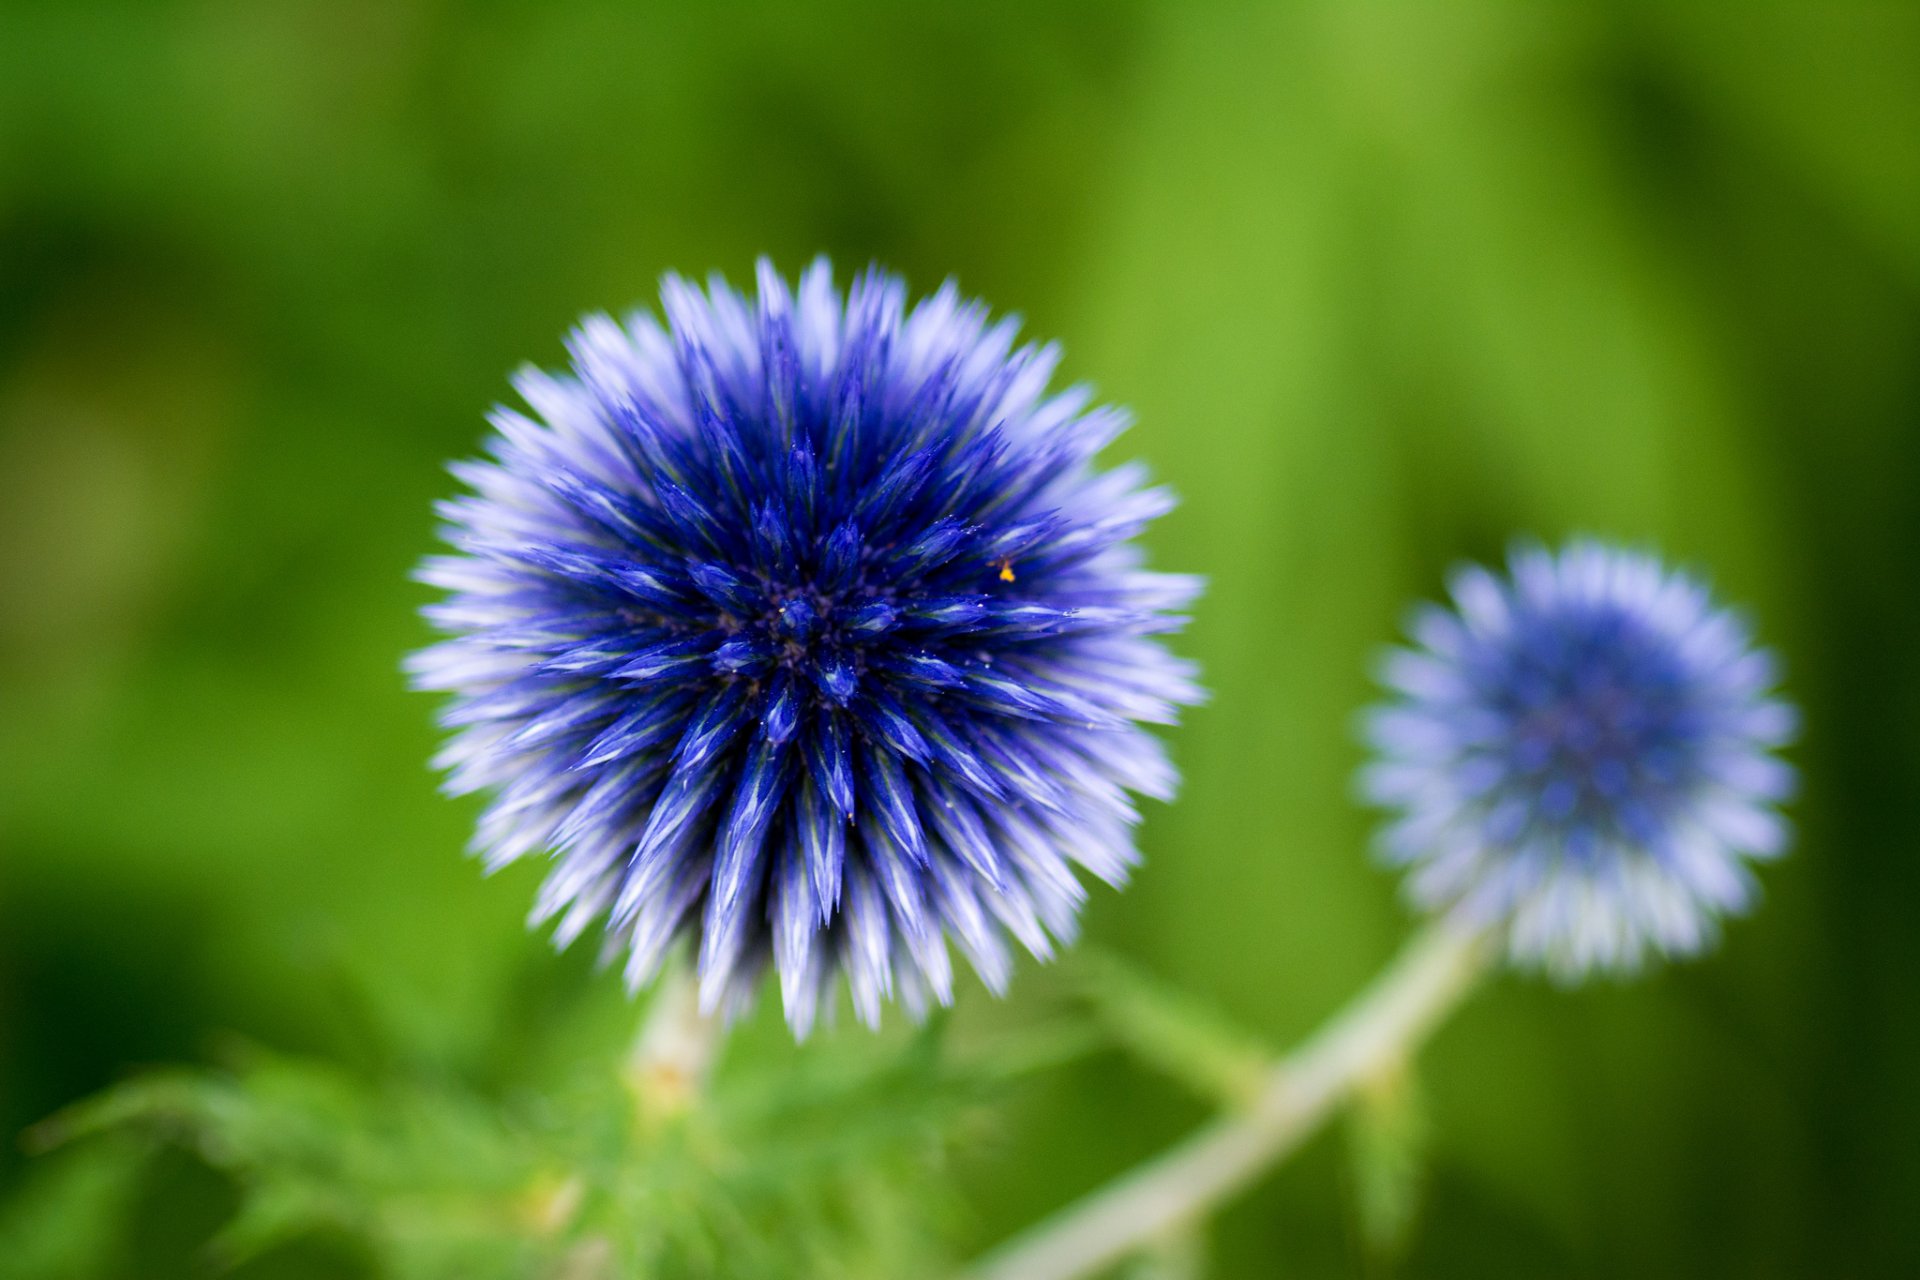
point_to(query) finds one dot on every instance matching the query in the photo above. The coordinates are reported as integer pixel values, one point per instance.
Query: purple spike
(836, 678)
(923, 670)
(820, 835)
(780, 707)
(1021, 539)
(796, 619)
(937, 545)
(829, 752)
(568, 718)
(867, 945)
(946, 613)
(726, 451)
(897, 486)
(840, 557)
(729, 590)
(600, 656)
(689, 793)
(897, 872)
(771, 545)
(762, 783)
(665, 661)
(651, 724)
(1006, 755)
(795, 941)
(883, 716)
(749, 655)
(961, 830)
(693, 523)
(1006, 695)
(803, 490)
(653, 927)
(599, 571)
(952, 755)
(612, 800)
(778, 367)
(870, 617)
(712, 728)
(615, 514)
(890, 801)
(979, 937)
(659, 587)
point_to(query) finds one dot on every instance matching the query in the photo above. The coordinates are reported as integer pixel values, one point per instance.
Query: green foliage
(1388, 1150)
(1174, 1031)
(828, 1164)
(62, 1226)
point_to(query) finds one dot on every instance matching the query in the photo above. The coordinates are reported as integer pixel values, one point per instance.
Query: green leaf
(1174, 1032)
(63, 1225)
(1387, 1133)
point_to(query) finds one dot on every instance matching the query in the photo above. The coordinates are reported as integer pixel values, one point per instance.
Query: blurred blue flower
(1580, 757)
(805, 627)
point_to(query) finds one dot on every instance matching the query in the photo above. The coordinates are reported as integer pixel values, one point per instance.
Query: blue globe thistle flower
(806, 628)
(1581, 758)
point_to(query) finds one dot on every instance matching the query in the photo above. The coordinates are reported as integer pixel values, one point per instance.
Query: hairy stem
(1377, 1031)
(674, 1052)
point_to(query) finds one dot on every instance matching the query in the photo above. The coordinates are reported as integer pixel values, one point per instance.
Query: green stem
(1173, 1191)
(673, 1055)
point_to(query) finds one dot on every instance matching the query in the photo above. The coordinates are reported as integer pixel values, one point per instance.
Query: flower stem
(673, 1054)
(1174, 1190)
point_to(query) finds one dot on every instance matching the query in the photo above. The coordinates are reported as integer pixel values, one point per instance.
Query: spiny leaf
(828, 1163)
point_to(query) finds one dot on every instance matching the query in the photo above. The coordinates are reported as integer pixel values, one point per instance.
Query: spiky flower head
(805, 627)
(1581, 757)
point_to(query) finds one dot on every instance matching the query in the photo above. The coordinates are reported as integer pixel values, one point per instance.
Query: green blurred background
(1386, 284)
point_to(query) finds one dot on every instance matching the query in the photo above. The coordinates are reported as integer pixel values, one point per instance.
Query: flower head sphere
(1581, 758)
(805, 627)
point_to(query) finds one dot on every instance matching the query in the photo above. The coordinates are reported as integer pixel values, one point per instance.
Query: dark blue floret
(1583, 757)
(806, 628)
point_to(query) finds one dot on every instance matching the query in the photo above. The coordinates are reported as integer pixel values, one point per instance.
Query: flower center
(1598, 736)
(821, 636)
